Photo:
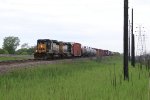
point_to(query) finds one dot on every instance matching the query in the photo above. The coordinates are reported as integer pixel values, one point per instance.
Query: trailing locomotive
(49, 49)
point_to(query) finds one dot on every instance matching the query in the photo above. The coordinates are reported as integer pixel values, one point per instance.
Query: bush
(2, 51)
(25, 51)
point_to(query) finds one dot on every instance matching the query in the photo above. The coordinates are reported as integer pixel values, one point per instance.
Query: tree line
(10, 45)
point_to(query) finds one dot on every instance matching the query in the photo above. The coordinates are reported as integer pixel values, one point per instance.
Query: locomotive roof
(47, 40)
(43, 40)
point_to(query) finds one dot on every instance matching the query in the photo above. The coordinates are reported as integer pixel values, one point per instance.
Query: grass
(77, 80)
(5, 58)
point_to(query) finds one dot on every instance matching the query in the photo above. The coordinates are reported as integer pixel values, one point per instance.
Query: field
(76, 80)
(14, 57)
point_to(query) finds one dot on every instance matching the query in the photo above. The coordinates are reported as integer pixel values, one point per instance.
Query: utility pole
(126, 75)
(132, 45)
(133, 51)
(129, 40)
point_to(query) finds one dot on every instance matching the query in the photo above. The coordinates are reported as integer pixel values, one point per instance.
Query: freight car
(99, 52)
(88, 51)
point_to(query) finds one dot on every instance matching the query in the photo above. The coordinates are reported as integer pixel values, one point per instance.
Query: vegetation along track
(6, 66)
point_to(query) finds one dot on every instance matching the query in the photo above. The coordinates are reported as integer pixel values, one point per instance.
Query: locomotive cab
(43, 46)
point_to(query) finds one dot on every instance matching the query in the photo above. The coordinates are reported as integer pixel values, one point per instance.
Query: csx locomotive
(49, 49)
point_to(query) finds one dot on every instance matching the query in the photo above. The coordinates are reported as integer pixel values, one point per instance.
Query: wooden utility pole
(133, 45)
(129, 41)
(126, 75)
(133, 51)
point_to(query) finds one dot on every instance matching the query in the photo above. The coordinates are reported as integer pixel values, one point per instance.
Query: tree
(21, 51)
(25, 45)
(31, 50)
(10, 44)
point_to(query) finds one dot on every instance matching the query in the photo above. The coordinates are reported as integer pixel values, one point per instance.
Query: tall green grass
(76, 80)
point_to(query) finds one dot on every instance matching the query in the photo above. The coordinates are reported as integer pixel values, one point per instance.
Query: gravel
(10, 67)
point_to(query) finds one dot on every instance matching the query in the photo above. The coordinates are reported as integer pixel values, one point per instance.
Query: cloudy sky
(95, 23)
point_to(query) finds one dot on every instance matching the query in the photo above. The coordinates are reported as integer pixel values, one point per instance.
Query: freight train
(50, 49)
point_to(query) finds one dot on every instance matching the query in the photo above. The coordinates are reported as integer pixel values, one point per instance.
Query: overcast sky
(95, 23)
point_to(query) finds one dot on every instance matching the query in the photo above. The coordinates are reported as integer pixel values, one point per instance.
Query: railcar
(88, 51)
(76, 49)
(100, 52)
(84, 51)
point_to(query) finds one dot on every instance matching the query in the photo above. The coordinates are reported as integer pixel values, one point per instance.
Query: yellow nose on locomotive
(41, 48)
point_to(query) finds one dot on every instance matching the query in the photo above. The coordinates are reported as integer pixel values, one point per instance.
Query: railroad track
(8, 62)
(6, 66)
